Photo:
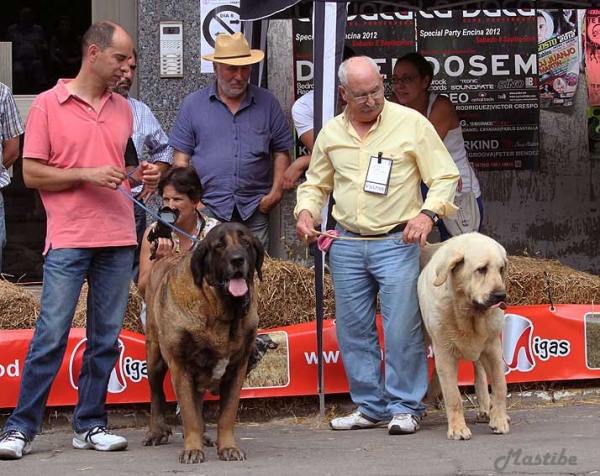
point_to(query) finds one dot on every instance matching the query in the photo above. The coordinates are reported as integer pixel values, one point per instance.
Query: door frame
(123, 12)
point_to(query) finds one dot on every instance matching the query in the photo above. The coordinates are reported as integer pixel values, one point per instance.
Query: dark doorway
(46, 40)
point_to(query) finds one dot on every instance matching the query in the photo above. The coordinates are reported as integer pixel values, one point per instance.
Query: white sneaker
(13, 445)
(403, 424)
(355, 421)
(99, 438)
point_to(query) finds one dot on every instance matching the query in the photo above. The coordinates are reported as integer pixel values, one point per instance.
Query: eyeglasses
(406, 79)
(363, 99)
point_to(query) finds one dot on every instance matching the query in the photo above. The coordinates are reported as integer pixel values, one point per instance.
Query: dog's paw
(500, 424)
(191, 456)
(231, 454)
(482, 417)
(459, 433)
(157, 437)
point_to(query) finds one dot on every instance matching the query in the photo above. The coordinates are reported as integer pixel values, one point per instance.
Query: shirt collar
(250, 96)
(62, 93)
(384, 112)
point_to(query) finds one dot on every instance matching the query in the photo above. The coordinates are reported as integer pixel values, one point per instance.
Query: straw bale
(132, 313)
(18, 307)
(286, 295)
(530, 279)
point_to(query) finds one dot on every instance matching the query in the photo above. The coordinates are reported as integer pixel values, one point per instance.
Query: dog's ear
(444, 268)
(260, 255)
(504, 269)
(199, 262)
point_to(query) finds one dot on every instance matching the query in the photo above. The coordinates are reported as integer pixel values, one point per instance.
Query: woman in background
(411, 79)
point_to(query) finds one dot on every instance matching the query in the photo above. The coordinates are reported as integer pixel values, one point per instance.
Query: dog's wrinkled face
(477, 267)
(227, 259)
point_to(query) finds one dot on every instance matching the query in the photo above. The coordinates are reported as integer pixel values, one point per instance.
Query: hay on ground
(287, 295)
(18, 307)
(530, 279)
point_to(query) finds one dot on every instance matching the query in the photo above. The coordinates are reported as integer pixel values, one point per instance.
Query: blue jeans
(2, 229)
(360, 270)
(108, 271)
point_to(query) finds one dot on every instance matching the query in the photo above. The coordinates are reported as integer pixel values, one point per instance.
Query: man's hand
(105, 176)
(268, 202)
(417, 229)
(305, 227)
(145, 194)
(294, 172)
(150, 175)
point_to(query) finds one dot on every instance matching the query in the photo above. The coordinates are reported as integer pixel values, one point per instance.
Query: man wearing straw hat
(229, 131)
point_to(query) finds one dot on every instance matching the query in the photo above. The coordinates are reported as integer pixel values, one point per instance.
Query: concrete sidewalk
(544, 440)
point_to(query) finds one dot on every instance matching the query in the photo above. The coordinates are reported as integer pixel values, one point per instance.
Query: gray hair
(343, 71)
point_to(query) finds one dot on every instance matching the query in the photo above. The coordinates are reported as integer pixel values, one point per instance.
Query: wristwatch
(434, 216)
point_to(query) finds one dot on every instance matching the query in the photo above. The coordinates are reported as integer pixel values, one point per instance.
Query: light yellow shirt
(340, 160)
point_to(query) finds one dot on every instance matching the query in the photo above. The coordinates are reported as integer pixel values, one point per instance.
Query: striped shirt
(10, 126)
(151, 142)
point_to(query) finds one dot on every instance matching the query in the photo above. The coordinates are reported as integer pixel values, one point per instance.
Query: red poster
(592, 55)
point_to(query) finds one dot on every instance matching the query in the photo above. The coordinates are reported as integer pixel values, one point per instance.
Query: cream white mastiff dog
(462, 294)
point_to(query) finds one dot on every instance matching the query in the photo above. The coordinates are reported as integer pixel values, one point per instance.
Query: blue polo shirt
(232, 152)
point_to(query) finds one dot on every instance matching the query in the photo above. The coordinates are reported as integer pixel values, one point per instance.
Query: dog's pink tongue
(238, 287)
(501, 305)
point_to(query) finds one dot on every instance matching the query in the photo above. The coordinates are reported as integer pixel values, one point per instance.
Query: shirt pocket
(259, 141)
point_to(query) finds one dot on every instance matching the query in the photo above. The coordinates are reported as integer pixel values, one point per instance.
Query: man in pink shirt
(74, 147)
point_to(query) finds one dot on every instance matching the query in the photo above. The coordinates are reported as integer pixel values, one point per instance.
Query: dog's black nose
(499, 296)
(237, 261)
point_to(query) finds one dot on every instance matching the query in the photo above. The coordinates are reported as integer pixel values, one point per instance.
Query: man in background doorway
(151, 143)
(11, 128)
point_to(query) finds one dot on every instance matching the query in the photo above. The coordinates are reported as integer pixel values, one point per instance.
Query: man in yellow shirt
(373, 158)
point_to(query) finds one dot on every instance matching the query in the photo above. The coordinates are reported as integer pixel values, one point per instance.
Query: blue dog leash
(155, 215)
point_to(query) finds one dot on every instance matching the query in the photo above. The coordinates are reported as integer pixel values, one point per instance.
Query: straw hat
(234, 50)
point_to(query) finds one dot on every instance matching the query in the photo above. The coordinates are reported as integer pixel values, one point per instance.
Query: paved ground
(553, 438)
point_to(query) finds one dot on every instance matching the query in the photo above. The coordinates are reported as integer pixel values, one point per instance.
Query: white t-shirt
(303, 114)
(455, 144)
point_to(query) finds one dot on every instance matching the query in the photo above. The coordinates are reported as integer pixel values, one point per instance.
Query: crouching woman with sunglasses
(181, 191)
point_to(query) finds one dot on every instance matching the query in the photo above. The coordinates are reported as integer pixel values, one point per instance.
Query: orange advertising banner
(539, 344)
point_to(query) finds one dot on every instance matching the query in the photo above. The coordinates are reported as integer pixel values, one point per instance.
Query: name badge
(378, 175)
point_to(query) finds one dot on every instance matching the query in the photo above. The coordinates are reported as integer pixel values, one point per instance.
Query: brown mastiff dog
(201, 324)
